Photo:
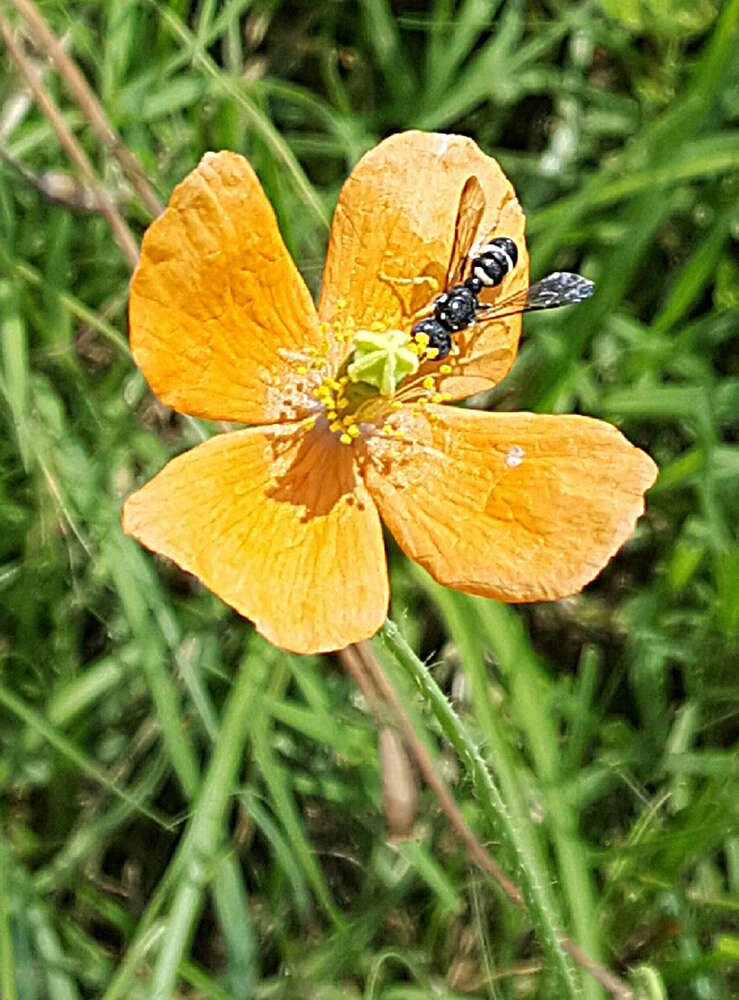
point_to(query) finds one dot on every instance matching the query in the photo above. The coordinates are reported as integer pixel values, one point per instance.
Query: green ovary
(382, 359)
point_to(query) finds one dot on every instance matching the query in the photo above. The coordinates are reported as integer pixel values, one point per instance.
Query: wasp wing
(560, 288)
(469, 216)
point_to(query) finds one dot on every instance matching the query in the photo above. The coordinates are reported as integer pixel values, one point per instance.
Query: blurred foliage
(189, 812)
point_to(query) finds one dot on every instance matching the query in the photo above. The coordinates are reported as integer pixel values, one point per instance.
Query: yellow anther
(325, 327)
(335, 426)
(302, 370)
(387, 429)
(445, 369)
(438, 397)
(432, 353)
(309, 422)
(340, 304)
(395, 405)
(377, 327)
(331, 415)
(434, 417)
(341, 404)
(353, 431)
(399, 434)
(446, 397)
(345, 439)
(344, 380)
(428, 382)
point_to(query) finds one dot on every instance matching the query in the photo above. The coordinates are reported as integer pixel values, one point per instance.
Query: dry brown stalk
(54, 185)
(83, 94)
(399, 786)
(105, 204)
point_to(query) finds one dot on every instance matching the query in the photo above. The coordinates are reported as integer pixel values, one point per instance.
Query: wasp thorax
(455, 309)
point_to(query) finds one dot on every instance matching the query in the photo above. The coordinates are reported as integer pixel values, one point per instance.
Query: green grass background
(188, 812)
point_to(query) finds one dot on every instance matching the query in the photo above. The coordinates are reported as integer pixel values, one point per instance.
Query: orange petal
(220, 318)
(392, 237)
(514, 506)
(278, 525)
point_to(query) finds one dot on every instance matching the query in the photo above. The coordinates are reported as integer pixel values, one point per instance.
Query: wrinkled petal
(220, 318)
(391, 242)
(278, 525)
(513, 506)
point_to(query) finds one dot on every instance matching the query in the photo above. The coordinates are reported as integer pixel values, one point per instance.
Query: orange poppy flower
(282, 519)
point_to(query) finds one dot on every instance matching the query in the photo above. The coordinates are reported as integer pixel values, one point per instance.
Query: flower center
(376, 379)
(383, 359)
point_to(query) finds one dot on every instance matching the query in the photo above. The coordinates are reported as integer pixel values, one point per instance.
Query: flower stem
(532, 895)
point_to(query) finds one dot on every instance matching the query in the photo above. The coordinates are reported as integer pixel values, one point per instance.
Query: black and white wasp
(475, 267)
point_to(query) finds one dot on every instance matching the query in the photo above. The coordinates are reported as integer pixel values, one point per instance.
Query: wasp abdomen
(496, 259)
